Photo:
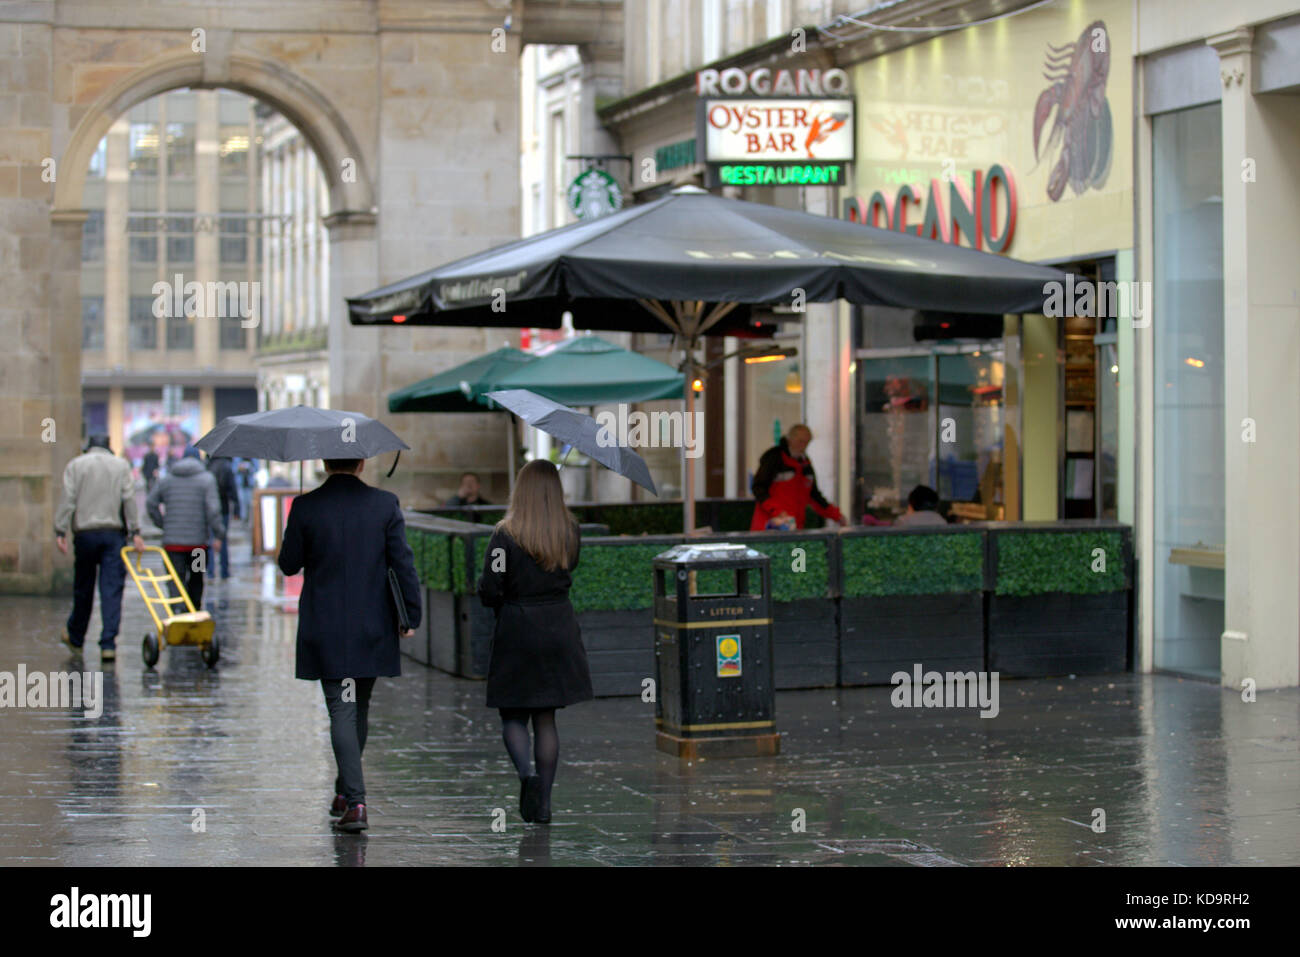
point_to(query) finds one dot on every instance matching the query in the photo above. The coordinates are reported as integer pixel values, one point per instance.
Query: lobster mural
(1082, 129)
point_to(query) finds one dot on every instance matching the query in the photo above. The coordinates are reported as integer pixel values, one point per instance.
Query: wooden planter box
(1034, 636)
(440, 612)
(805, 643)
(882, 635)
(620, 649)
(474, 626)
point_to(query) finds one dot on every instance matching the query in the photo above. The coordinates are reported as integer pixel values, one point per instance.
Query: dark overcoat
(343, 537)
(538, 660)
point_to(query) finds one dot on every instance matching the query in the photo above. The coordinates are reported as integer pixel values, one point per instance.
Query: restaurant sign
(976, 211)
(776, 142)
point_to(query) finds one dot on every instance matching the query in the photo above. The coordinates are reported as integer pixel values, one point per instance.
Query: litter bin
(713, 652)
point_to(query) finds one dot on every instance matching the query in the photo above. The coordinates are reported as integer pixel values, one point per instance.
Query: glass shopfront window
(939, 415)
(1188, 556)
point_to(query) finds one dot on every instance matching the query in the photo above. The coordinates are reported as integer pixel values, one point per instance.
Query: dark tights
(546, 744)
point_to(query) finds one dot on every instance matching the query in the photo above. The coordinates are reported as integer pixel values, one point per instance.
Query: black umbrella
(299, 433)
(580, 431)
(693, 247)
(697, 264)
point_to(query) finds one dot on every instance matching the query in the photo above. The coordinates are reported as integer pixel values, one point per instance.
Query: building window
(92, 237)
(92, 322)
(180, 239)
(1190, 513)
(233, 150)
(144, 240)
(232, 333)
(143, 323)
(180, 334)
(144, 149)
(180, 149)
(234, 239)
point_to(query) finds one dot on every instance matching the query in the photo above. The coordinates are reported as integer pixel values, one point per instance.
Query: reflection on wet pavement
(1185, 772)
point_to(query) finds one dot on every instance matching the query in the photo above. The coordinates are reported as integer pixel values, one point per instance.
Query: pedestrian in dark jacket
(343, 537)
(785, 487)
(538, 663)
(185, 505)
(149, 469)
(228, 493)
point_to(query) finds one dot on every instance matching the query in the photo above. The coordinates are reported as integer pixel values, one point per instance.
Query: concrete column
(824, 371)
(1261, 231)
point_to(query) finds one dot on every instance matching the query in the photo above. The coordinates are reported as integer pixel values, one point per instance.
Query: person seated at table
(468, 493)
(922, 509)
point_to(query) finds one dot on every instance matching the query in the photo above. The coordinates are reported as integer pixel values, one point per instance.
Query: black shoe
(544, 813)
(339, 807)
(529, 792)
(354, 820)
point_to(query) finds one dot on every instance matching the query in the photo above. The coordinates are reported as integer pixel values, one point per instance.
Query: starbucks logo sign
(594, 194)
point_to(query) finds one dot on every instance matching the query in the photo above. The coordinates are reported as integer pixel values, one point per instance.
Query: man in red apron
(784, 484)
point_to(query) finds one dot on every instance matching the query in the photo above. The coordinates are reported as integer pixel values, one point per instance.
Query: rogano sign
(978, 212)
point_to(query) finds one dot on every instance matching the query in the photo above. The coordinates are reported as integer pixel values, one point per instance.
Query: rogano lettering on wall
(979, 212)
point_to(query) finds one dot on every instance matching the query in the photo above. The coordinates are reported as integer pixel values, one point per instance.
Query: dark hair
(342, 465)
(98, 440)
(475, 474)
(923, 499)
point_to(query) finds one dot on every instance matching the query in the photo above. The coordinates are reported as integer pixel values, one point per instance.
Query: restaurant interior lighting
(793, 384)
(772, 357)
(1195, 363)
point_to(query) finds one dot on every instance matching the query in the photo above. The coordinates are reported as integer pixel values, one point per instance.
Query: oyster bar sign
(775, 127)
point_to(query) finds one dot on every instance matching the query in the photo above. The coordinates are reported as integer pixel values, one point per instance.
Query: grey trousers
(348, 725)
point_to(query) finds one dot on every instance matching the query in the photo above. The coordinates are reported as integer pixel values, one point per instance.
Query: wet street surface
(1185, 772)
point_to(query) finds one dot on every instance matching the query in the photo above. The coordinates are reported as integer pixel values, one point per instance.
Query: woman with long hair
(538, 663)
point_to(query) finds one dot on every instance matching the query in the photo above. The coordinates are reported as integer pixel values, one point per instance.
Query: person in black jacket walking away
(343, 537)
(538, 663)
(228, 494)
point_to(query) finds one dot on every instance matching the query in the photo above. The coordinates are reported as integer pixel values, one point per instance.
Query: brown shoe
(353, 820)
(339, 807)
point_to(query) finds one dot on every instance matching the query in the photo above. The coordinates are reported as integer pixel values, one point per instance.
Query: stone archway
(422, 98)
(301, 103)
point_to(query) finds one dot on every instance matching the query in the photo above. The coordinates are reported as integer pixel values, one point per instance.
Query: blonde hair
(537, 518)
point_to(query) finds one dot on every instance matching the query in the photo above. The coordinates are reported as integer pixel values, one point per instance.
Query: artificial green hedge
(432, 554)
(879, 565)
(614, 578)
(646, 518)
(1036, 563)
(790, 585)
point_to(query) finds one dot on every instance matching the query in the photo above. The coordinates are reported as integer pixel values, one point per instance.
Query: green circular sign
(593, 194)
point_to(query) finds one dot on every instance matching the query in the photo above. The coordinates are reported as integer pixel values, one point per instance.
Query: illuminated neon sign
(769, 174)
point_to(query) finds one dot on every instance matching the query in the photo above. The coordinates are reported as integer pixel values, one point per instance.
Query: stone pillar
(40, 318)
(1261, 232)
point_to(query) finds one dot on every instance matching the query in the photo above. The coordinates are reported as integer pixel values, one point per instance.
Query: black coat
(344, 536)
(538, 660)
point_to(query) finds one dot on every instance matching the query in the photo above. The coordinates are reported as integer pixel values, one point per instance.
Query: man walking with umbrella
(343, 537)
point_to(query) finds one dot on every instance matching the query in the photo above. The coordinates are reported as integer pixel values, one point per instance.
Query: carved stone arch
(266, 80)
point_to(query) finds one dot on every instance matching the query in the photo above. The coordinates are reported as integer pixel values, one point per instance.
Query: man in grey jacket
(185, 505)
(99, 509)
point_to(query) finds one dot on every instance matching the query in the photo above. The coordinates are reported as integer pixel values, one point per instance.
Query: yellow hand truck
(190, 627)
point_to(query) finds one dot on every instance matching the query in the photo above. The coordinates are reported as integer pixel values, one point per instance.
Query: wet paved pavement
(1185, 772)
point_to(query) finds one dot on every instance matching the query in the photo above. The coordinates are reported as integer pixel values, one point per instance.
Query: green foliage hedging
(880, 565)
(790, 585)
(431, 551)
(614, 577)
(1035, 563)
